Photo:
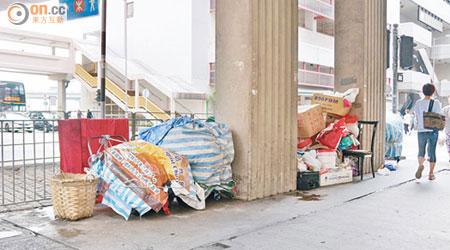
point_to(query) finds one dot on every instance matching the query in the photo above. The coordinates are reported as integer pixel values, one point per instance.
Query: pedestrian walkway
(388, 212)
(26, 186)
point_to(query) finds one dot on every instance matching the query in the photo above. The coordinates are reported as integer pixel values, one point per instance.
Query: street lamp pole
(395, 69)
(103, 62)
(125, 24)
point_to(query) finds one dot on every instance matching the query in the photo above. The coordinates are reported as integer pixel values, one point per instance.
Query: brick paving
(25, 187)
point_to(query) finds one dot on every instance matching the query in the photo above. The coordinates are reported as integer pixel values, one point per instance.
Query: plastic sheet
(138, 175)
(207, 145)
(394, 135)
(145, 178)
(74, 135)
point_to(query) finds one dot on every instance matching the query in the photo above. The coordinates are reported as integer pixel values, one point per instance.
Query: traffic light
(406, 52)
(98, 97)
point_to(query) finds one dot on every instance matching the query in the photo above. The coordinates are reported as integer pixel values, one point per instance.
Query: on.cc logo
(18, 13)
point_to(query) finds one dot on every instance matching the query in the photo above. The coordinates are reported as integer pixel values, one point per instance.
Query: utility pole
(395, 69)
(125, 44)
(103, 63)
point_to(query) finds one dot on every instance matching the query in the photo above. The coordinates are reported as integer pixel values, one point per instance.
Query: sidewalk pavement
(388, 212)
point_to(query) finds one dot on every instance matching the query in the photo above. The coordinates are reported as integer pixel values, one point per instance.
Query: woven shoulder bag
(432, 120)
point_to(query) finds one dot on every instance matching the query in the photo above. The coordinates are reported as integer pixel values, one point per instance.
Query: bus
(12, 96)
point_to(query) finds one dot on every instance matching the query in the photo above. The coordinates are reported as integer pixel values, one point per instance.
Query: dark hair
(428, 89)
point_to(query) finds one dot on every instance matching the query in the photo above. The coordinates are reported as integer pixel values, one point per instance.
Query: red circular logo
(78, 6)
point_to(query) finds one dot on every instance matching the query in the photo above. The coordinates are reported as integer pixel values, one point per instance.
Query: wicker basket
(73, 196)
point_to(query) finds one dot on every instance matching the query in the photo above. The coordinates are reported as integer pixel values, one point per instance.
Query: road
(14, 146)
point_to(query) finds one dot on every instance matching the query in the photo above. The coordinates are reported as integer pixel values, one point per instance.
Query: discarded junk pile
(325, 129)
(182, 158)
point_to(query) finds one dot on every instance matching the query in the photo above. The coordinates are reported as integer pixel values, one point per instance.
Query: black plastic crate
(307, 180)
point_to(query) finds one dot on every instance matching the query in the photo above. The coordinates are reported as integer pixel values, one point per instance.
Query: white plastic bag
(301, 166)
(383, 171)
(327, 159)
(350, 94)
(310, 159)
(353, 128)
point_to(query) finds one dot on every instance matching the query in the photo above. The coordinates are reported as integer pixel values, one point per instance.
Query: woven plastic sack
(145, 178)
(138, 175)
(394, 128)
(207, 145)
(178, 172)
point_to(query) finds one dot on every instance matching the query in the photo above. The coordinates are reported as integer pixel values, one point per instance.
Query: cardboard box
(310, 120)
(335, 176)
(330, 104)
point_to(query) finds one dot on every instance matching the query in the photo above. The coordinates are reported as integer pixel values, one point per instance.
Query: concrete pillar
(310, 22)
(61, 95)
(256, 91)
(360, 62)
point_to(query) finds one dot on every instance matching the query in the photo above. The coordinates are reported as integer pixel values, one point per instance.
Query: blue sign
(80, 8)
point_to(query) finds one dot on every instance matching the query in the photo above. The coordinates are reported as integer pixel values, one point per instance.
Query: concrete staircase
(118, 94)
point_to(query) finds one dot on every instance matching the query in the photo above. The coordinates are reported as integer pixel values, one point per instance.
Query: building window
(212, 74)
(130, 9)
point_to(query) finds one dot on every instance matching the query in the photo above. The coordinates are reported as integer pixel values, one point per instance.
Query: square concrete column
(61, 89)
(256, 91)
(360, 62)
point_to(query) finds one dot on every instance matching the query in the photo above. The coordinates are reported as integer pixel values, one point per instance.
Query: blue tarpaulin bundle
(394, 135)
(207, 145)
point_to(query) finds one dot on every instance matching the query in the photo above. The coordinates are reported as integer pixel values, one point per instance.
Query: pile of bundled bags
(139, 176)
(394, 135)
(208, 146)
(182, 158)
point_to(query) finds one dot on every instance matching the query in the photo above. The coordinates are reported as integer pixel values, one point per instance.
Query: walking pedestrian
(407, 122)
(446, 111)
(426, 136)
(413, 122)
(79, 114)
(89, 114)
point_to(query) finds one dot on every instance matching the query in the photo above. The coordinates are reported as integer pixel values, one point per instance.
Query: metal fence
(30, 156)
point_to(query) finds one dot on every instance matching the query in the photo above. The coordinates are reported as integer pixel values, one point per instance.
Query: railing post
(133, 125)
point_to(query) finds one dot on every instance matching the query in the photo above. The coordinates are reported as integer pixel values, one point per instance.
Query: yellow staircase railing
(144, 103)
